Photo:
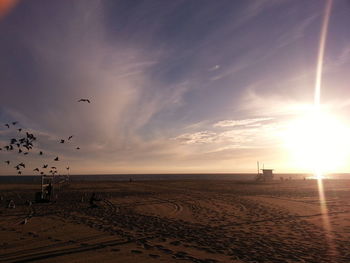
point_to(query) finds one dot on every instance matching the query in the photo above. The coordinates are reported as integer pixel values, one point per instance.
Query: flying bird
(62, 141)
(26, 153)
(56, 159)
(53, 167)
(8, 162)
(7, 125)
(41, 173)
(19, 172)
(14, 123)
(19, 130)
(36, 169)
(45, 165)
(84, 100)
(70, 137)
(9, 147)
(41, 153)
(78, 148)
(20, 151)
(22, 164)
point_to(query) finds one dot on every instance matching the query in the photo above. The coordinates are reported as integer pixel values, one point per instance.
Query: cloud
(232, 123)
(6, 6)
(197, 137)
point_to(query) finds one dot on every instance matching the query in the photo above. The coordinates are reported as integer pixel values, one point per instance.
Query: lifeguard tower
(265, 176)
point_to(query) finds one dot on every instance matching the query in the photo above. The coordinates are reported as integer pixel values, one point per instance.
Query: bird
(41, 173)
(56, 159)
(45, 165)
(13, 141)
(62, 141)
(41, 153)
(53, 167)
(7, 125)
(70, 137)
(19, 172)
(17, 167)
(19, 130)
(84, 100)
(19, 150)
(8, 162)
(22, 164)
(78, 148)
(14, 122)
(36, 169)
(26, 153)
(67, 168)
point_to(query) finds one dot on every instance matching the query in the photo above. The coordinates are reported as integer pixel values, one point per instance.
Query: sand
(178, 221)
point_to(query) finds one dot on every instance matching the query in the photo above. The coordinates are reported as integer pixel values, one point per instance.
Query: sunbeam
(317, 102)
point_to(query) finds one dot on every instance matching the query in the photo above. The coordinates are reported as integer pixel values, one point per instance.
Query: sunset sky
(175, 86)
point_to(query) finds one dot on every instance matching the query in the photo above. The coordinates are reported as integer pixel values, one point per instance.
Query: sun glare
(319, 142)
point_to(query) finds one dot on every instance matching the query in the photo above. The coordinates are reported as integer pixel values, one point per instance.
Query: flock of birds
(23, 143)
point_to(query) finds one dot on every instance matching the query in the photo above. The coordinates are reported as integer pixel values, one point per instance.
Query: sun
(318, 141)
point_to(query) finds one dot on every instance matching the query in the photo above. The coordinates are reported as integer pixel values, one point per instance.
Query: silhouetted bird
(19, 172)
(78, 148)
(36, 169)
(56, 159)
(22, 164)
(70, 137)
(9, 147)
(41, 153)
(26, 153)
(41, 173)
(7, 125)
(62, 141)
(53, 167)
(13, 141)
(17, 167)
(8, 162)
(14, 123)
(19, 130)
(45, 166)
(84, 100)
(67, 168)
(19, 150)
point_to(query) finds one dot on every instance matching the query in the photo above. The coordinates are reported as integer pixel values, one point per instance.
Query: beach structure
(266, 175)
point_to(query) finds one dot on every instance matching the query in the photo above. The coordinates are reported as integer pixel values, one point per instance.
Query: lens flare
(317, 101)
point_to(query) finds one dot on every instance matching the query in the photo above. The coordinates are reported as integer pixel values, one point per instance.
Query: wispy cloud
(232, 123)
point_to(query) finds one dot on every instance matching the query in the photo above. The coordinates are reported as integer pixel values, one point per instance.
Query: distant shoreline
(170, 176)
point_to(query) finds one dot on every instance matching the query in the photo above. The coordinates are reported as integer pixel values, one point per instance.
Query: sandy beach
(172, 221)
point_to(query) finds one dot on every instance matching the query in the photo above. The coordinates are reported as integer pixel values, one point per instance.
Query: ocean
(158, 177)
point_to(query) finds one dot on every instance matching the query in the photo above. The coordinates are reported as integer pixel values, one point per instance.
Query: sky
(180, 86)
